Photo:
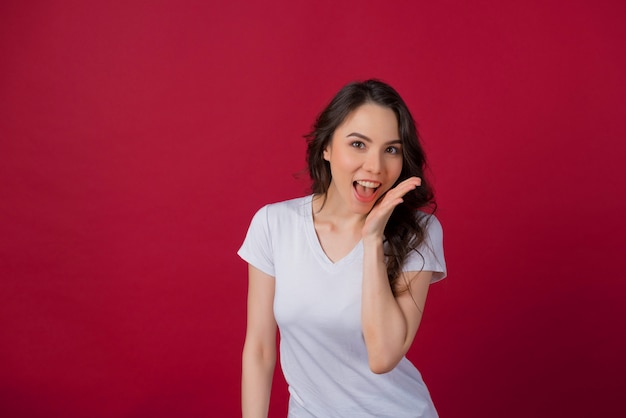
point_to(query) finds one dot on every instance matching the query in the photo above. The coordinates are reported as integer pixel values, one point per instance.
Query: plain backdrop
(138, 138)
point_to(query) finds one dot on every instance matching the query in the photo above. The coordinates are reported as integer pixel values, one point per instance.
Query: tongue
(364, 191)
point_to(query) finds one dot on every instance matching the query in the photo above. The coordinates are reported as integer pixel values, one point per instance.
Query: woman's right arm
(259, 350)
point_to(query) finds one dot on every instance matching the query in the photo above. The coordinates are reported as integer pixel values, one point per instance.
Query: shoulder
(273, 213)
(430, 223)
(429, 255)
(287, 205)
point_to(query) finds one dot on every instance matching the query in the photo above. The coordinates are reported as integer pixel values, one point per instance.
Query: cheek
(343, 161)
(396, 169)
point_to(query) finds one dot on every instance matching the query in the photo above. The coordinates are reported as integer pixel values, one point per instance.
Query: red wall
(136, 142)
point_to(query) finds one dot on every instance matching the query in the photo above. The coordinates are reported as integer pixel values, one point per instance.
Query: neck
(327, 209)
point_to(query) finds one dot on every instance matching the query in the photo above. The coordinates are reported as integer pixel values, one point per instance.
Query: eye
(392, 150)
(357, 144)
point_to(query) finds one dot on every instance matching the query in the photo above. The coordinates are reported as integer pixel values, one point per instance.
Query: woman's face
(365, 156)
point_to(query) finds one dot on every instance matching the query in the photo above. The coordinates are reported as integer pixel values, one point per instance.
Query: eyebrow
(365, 138)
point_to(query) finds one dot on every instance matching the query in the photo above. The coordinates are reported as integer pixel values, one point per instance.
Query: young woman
(344, 272)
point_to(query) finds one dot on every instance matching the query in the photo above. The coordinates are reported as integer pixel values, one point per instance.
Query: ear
(326, 153)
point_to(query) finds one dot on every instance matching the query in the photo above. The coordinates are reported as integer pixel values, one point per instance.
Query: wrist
(373, 238)
(373, 243)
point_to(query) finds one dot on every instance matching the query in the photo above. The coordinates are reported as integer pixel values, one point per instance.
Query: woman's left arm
(389, 322)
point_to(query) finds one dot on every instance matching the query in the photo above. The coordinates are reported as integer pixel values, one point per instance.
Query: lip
(366, 199)
(372, 183)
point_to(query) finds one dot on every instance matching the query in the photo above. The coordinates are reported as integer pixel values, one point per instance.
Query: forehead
(373, 121)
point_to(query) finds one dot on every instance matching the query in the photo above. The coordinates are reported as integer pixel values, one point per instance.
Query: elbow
(383, 357)
(257, 352)
(380, 365)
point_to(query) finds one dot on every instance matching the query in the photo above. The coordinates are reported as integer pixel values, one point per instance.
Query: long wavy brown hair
(405, 230)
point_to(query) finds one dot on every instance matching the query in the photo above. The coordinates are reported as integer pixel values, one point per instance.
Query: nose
(372, 162)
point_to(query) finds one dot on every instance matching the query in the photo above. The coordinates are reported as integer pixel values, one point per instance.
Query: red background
(138, 138)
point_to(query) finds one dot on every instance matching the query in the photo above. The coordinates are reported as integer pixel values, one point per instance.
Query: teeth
(369, 184)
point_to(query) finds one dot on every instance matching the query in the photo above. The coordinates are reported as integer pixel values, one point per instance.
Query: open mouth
(365, 190)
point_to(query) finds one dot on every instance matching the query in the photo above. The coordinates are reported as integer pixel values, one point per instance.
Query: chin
(362, 208)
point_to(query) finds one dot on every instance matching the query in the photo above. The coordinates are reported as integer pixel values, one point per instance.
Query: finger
(400, 190)
(387, 206)
(413, 180)
(405, 187)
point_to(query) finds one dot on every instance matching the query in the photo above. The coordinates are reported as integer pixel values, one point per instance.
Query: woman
(344, 273)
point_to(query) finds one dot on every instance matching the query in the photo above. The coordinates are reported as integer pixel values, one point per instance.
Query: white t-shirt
(317, 306)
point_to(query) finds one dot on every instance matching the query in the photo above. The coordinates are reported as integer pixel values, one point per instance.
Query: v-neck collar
(316, 245)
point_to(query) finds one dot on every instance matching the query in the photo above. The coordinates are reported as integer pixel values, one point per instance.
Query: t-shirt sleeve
(429, 255)
(257, 246)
